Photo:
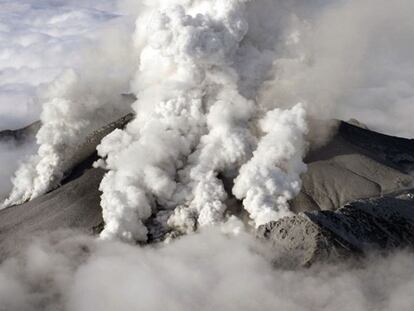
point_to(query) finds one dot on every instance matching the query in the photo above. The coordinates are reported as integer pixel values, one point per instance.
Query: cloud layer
(206, 271)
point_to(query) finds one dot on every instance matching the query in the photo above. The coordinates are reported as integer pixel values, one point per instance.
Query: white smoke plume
(76, 103)
(193, 121)
(235, 61)
(205, 271)
(64, 125)
(272, 176)
(13, 154)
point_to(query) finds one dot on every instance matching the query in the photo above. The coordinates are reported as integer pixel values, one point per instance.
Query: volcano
(356, 196)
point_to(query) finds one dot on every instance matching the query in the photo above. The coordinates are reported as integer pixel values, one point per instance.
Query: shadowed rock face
(363, 225)
(355, 164)
(74, 205)
(380, 223)
(391, 151)
(347, 204)
(20, 135)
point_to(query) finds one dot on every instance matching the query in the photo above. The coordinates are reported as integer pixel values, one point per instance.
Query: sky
(39, 39)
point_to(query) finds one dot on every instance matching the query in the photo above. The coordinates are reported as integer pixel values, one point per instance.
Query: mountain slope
(347, 203)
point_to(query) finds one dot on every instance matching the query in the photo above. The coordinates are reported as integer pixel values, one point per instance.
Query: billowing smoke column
(208, 70)
(71, 111)
(79, 101)
(272, 176)
(197, 82)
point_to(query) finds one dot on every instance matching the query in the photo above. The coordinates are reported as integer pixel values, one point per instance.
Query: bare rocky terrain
(356, 196)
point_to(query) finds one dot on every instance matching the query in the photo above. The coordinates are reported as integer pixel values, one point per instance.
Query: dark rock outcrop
(355, 164)
(377, 224)
(20, 135)
(348, 202)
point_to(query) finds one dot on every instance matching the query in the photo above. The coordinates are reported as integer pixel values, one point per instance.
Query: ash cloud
(204, 73)
(220, 68)
(205, 271)
(196, 111)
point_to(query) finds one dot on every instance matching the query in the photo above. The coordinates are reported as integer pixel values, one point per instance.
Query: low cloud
(205, 271)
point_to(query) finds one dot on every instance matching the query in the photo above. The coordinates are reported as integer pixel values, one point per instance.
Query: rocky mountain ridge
(355, 197)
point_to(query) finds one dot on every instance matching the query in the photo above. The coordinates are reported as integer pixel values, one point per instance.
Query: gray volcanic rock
(297, 241)
(348, 204)
(74, 205)
(381, 223)
(20, 135)
(391, 151)
(364, 225)
(355, 164)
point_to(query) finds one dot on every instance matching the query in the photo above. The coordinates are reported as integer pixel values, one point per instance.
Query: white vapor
(38, 41)
(206, 72)
(272, 176)
(75, 103)
(199, 73)
(205, 271)
(12, 154)
(349, 59)
(71, 111)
